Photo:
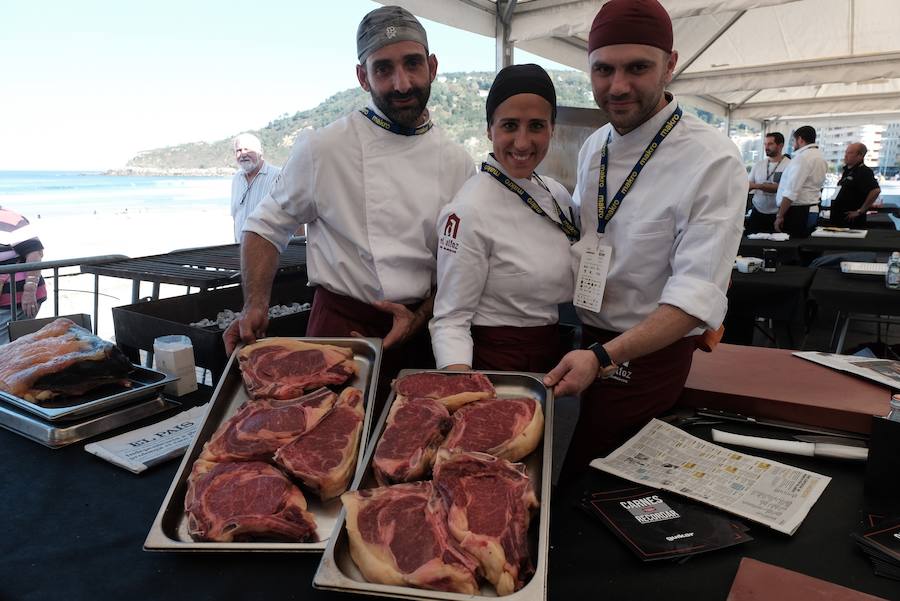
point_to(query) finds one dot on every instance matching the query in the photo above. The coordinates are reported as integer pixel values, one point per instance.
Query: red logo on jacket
(451, 228)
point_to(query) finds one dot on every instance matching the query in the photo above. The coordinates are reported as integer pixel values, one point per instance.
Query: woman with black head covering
(503, 249)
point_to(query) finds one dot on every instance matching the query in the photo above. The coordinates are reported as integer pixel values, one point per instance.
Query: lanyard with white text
(604, 214)
(567, 225)
(393, 127)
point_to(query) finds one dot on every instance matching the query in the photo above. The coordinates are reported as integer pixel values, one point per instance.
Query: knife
(810, 446)
(774, 423)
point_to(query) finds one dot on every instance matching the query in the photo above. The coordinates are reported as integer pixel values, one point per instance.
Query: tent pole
(503, 20)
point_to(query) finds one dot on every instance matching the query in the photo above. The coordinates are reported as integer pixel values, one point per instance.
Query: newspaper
(151, 445)
(764, 491)
(883, 371)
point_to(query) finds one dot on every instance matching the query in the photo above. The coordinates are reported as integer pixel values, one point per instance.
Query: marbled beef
(324, 458)
(282, 368)
(412, 434)
(506, 428)
(259, 428)
(489, 504)
(398, 535)
(247, 501)
(453, 390)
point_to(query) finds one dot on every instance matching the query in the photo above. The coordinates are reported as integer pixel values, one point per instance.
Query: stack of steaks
(470, 521)
(247, 484)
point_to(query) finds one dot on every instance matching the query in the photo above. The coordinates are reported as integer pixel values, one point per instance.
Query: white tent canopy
(753, 60)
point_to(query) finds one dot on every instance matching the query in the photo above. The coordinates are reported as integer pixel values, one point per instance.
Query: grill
(204, 268)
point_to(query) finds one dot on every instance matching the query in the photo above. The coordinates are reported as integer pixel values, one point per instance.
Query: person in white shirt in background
(503, 249)
(800, 188)
(764, 178)
(370, 187)
(672, 234)
(251, 182)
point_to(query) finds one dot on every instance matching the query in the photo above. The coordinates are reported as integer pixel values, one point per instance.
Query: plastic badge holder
(175, 357)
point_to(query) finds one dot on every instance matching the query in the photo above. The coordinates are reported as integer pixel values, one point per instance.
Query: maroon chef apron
(511, 348)
(335, 315)
(615, 408)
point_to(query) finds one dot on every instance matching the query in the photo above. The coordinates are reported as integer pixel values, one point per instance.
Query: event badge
(591, 280)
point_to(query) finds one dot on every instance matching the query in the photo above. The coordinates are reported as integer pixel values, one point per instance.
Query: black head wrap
(520, 79)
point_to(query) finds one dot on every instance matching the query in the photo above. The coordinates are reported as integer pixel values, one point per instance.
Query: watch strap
(601, 354)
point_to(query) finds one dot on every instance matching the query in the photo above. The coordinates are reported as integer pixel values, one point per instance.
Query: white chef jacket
(763, 172)
(371, 200)
(804, 177)
(675, 236)
(499, 262)
(246, 197)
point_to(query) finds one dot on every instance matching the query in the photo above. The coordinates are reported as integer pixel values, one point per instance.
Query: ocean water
(40, 194)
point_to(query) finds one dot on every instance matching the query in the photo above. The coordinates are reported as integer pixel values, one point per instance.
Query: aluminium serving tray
(170, 528)
(144, 382)
(338, 572)
(59, 434)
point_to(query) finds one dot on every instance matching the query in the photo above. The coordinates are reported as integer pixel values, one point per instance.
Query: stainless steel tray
(56, 435)
(144, 382)
(338, 572)
(170, 528)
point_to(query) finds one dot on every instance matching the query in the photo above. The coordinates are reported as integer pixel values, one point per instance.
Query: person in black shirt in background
(857, 189)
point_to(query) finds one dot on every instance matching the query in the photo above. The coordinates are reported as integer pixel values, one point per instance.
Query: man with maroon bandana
(662, 197)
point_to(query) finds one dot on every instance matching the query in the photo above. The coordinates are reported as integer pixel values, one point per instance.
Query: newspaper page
(883, 371)
(768, 492)
(151, 445)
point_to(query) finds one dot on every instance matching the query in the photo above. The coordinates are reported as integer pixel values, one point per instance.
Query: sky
(86, 84)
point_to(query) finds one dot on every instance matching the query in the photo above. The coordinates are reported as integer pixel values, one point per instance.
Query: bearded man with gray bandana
(370, 187)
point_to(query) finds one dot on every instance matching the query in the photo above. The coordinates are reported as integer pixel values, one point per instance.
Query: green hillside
(457, 104)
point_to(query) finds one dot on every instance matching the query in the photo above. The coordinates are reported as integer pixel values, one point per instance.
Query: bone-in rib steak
(282, 368)
(453, 390)
(489, 504)
(244, 501)
(259, 428)
(398, 535)
(506, 428)
(412, 434)
(324, 458)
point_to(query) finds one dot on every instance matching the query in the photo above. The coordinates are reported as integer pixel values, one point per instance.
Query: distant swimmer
(251, 182)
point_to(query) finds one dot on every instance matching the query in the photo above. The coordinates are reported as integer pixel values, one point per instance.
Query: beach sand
(133, 233)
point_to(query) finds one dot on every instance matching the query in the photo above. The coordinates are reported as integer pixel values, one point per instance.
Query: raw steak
(505, 428)
(398, 535)
(61, 358)
(259, 428)
(414, 430)
(244, 501)
(324, 458)
(453, 390)
(489, 505)
(282, 368)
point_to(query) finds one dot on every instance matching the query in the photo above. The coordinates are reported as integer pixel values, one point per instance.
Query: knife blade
(775, 423)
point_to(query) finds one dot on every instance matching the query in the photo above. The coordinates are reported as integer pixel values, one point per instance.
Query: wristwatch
(601, 354)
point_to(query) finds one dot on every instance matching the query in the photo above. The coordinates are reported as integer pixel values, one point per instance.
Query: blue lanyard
(604, 214)
(565, 224)
(393, 127)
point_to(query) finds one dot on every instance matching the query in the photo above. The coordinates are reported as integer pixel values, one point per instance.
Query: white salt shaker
(174, 356)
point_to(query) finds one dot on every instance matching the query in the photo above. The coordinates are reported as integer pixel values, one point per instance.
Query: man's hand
(779, 221)
(576, 371)
(250, 325)
(29, 301)
(406, 323)
(851, 215)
